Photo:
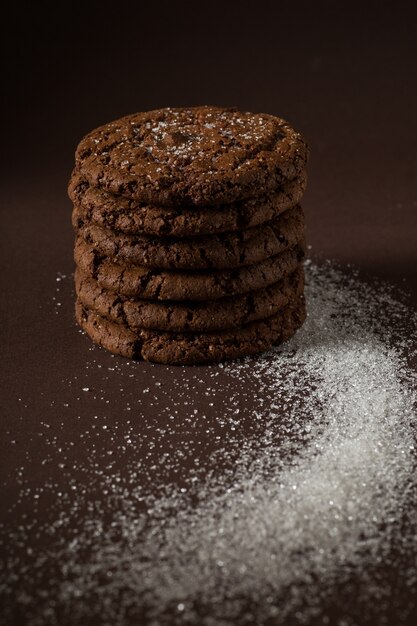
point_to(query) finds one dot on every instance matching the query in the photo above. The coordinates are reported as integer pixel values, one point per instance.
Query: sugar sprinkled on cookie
(199, 155)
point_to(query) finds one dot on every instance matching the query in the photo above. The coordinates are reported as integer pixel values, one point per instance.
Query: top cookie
(194, 156)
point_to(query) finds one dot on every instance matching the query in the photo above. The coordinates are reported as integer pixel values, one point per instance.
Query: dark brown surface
(346, 81)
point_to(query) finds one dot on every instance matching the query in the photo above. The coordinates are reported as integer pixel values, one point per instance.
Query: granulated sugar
(309, 492)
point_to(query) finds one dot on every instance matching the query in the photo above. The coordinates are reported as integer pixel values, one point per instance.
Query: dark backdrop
(342, 73)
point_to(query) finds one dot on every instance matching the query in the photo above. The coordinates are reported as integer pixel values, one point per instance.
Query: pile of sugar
(322, 490)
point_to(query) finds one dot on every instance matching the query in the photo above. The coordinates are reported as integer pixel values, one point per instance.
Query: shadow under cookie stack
(189, 234)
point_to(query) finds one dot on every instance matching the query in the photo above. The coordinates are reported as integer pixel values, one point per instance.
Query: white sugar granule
(321, 491)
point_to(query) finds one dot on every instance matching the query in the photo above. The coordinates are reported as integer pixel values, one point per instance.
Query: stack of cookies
(189, 234)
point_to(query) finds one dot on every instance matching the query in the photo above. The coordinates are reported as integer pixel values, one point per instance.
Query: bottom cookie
(192, 348)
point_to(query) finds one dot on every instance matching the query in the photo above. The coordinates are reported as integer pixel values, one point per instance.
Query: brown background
(345, 77)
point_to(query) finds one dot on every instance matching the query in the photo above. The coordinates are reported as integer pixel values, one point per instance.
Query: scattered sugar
(306, 484)
(59, 278)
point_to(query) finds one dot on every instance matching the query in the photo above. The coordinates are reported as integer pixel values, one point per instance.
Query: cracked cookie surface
(230, 312)
(158, 284)
(197, 156)
(101, 208)
(222, 251)
(192, 348)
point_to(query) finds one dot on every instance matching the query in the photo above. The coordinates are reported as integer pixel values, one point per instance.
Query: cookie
(156, 284)
(214, 315)
(101, 208)
(223, 251)
(192, 156)
(193, 348)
